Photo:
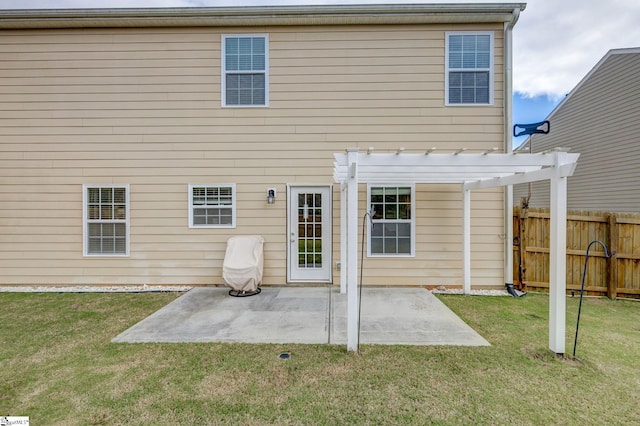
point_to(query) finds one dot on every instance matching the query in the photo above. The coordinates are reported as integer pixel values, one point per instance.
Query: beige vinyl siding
(142, 107)
(600, 120)
(438, 258)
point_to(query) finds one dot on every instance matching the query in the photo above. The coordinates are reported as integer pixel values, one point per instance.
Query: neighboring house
(600, 119)
(135, 142)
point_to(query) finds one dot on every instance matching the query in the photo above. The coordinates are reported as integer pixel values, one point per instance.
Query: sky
(556, 42)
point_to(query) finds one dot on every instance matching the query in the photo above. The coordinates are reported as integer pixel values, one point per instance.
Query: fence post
(524, 213)
(612, 262)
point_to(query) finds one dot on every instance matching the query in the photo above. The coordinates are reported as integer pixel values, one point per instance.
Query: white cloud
(556, 42)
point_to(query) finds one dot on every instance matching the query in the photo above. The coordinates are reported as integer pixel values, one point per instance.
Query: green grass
(59, 367)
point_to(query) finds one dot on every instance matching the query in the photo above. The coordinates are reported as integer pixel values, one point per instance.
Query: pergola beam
(532, 176)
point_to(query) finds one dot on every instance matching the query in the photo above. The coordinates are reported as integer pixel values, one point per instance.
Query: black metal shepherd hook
(584, 275)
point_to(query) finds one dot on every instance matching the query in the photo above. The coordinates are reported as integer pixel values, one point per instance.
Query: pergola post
(466, 241)
(352, 250)
(558, 264)
(343, 237)
(508, 234)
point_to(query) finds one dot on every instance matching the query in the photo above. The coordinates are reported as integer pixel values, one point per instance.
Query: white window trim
(491, 67)
(413, 219)
(214, 185)
(85, 221)
(223, 72)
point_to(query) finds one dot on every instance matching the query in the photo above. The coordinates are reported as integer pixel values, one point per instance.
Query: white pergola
(472, 171)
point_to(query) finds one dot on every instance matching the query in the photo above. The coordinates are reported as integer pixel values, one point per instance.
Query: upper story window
(245, 70)
(393, 225)
(106, 220)
(469, 68)
(212, 206)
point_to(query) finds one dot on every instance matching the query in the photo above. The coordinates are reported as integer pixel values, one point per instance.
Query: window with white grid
(106, 220)
(212, 206)
(469, 69)
(391, 231)
(245, 75)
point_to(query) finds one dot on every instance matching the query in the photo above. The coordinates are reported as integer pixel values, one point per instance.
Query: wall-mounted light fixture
(271, 195)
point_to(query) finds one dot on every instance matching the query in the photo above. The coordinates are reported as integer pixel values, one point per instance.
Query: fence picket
(615, 277)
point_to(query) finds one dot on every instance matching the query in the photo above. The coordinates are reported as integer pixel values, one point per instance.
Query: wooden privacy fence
(618, 276)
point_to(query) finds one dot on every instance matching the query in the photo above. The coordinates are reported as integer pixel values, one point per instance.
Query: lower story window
(469, 87)
(106, 220)
(392, 227)
(212, 206)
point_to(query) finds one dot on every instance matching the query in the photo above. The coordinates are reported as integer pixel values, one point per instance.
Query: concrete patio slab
(403, 316)
(411, 316)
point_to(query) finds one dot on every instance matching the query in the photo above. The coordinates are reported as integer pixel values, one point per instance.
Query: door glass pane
(309, 230)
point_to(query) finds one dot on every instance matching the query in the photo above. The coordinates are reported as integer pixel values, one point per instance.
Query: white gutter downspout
(508, 118)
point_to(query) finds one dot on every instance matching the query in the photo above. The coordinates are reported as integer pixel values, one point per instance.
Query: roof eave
(262, 15)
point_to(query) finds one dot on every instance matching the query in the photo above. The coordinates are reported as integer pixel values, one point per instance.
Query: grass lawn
(59, 367)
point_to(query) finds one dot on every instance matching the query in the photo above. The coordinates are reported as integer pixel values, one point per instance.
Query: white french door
(309, 232)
